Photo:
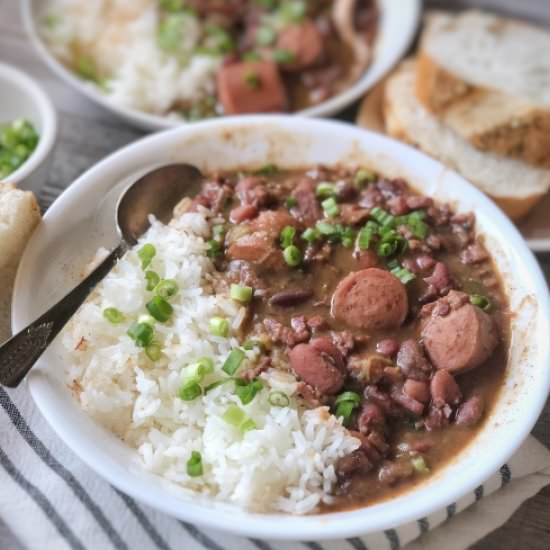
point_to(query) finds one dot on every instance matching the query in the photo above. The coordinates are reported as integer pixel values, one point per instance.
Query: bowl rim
(338, 524)
(48, 116)
(153, 122)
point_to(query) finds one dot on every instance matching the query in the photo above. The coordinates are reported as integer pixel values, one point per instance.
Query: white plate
(535, 228)
(399, 20)
(81, 220)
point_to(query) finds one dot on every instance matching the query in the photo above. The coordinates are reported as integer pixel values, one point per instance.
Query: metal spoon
(157, 193)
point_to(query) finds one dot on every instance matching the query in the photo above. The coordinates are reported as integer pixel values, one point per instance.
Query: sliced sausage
(272, 222)
(370, 299)
(243, 213)
(444, 389)
(307, 208)
(305, 44)
(251, 87)
(319, 364)
(471, 411)
(420, 391)
(252, 190)
(462, 339)
(257, 248)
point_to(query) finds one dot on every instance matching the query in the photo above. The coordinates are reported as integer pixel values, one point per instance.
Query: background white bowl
(82, 219)
(399, 20)
(22, 97)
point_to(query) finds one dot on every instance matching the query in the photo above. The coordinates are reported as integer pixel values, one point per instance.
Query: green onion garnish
(237, 417)
(219, 326)
(242, 294)
(287, 236)
(153, 351)
(292, 11)
(251, 344)
(213, 248)
(194, 465)
(282, 56)
(292, 256)
(366, 234)
(252, 80)
(384, 218)
(268, 170)
(233, 361)
(363, 176)
(345, 403)
(311, 234)
(480, 301)
(330, 207)
(265, 36)
(218, 232)
(247, 392)
(419, 464)
(404, 275)
(152, 279)
(348, 396)
(278, 399)
(197, 371)
(145, 318)
(347, 236)
(170, 32)
(141, 333)
(291, 202)
(392, 243)
(113, 315)
(159, 309)
(146, 254)
(327, 229)
(166, 288)
(325, 190)
(190, 391)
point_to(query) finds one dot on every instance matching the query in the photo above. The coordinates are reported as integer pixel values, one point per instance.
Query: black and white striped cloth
(51, 500)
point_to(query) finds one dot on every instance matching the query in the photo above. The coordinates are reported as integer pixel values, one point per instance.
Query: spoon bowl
(156, 193)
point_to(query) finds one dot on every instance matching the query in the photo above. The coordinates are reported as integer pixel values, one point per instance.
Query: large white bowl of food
(158, 63)
(324, 341)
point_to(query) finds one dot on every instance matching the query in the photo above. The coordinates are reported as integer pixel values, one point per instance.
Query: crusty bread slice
(19, 215)
(513, 184)
(489, 79)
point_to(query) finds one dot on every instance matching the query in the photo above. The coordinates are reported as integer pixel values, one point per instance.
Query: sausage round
(461, 340)
(370, 299)
(304, 42)
(319, 364)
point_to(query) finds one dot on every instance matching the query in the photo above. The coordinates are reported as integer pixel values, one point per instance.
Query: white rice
(120, 36)
(286, 464)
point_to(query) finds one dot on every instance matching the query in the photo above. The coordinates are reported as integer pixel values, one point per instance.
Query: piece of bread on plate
(514, 185)
(488, 78)
(19, 215)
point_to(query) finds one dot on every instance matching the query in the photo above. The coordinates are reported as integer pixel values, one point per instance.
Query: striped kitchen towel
(51, 500)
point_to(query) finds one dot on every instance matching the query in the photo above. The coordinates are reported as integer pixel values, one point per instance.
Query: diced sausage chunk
(471, 411)
(307, 208)
(252, 190)
(303, 42)
(444, 389)
(272, 222)
(242, 213)
(319, 364)
(462, 339)
(370, 299)
(257, 248)
(251, 87)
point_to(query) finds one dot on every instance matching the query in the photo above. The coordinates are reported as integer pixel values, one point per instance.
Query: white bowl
(398, 24)
(81, 220)
(22, 97)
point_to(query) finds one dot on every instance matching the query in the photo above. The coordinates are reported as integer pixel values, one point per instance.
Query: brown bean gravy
(384, 304)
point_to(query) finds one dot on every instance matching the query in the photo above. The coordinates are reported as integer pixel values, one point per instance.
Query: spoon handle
(20, 353)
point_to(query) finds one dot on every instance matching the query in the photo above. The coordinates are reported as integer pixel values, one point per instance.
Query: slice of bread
(19, 215)
(488, 78)
(513, 184)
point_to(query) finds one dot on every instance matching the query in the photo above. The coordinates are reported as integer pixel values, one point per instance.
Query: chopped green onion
(278, 399)
(242, 294)
(170, 32)
(311, 234)
(347, 236)
(419, 464)
(113, 315)
(247, 425)
(251, 344)
(292, 256)
(247, 392)
(287, 236)
(233, 361)
(153, 351)
(384, 218)
(218, 41)
(159, 309)
(251, 56)
(480, 301)
(392, 243)
(252, 79)
(152, 279)
(197, 371)
(171, 5)
(141, 333)
(166, 288)
(268, 170)
(146, 254)
(404, 275)
(218, 232)
(190, 391)
(216, 384)
(234, 416)
(417, 225)
(145, 318)
(345, 410)
(219, 326)
(194, 465)
(348, 396)
(292, 11)
(325, 190)
(366, 234)
(291, 202)
(363, 176)
(282, 56)
(327, 229)
(265, 36)
(213, 248)
(330, 207)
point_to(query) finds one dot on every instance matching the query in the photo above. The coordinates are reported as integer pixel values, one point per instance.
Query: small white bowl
(23, 98)
(397, 27)
(82, 218)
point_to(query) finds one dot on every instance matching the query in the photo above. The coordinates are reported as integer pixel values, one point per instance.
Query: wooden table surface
(88, 133)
